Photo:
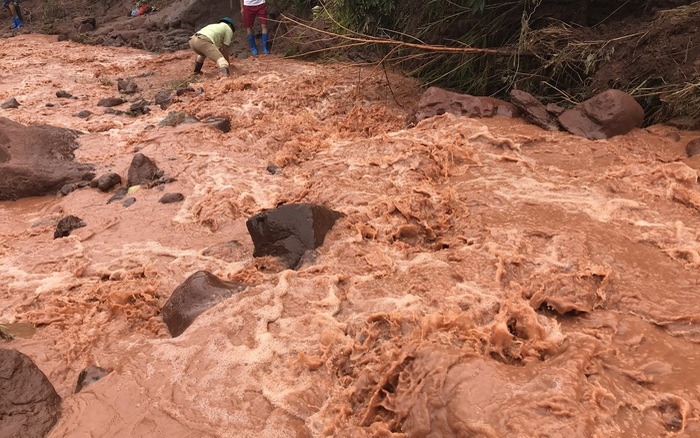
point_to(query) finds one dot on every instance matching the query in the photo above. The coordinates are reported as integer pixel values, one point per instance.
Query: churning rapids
(488, 278)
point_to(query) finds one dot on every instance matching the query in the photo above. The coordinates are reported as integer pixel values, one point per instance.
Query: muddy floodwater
(488, 278)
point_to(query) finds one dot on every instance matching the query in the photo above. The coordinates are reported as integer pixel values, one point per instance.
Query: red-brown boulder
(605, 115)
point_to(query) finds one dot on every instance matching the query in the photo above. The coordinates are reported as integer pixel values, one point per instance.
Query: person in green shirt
(212, 42)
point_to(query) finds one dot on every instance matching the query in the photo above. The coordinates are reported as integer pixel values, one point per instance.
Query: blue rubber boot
(251, 40)
(16, 24)
(264, 44)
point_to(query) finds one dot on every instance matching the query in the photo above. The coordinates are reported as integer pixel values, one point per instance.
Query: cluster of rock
(610, 113)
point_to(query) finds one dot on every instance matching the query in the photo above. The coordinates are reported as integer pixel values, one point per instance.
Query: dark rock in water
(127, 86)
(273, 168)
(175, 118)
(63, 94)
(29, 404)
(223, 124)
(533, 110)
(164, 99)
(118, 195)
(68, 188)
(139, 107)
(10, 103)
(605, 115)
(107, 181)
(90, 374)
(290, 230)
(693, 147)
(142, 171)
(435, 101)
(128, 202)
(83, 114)
(37, 160)
(169, 198)
(66, 225)
(49, 105)
(181, 91)
(111, 101)
(198, 293)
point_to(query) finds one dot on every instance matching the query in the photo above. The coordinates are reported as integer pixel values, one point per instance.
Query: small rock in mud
(223, 124)
(110, 101)
(63, 94)
(84, 114)
(272, 168)
(118, 195)
(181, 91)
(288, 231)
(127, 86)
(693, 147)
(49, 105)
(29, 406)
(195, 295)
(107, 181)
(90, 374)
(128, 202)
(66, 225)
(164, 99)
(175, 118)
(139, 107)
(169, 198)
(10, 103)
(68, 188)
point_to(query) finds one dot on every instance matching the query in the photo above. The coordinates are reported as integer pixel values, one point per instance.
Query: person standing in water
(249, 10)
(212, 42)
(13, 6)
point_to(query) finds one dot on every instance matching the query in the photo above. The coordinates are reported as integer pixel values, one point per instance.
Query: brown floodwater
(489, 278)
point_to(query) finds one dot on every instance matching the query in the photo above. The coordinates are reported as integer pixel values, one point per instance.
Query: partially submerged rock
(693, 147)
(110, 102)
(169, 198)
(533, 110)
(29, 404)
(605, 115)
(436, 101)
(67, 225)
(195, 295)
(175, 118)
(223, 124)
(37, 160)
(107, 181)
(10, 103)
(288, 231)
(142, 171)
(90, 374)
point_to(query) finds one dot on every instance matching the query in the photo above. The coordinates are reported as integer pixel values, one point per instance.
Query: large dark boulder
(289, 231)
(605, 115)
(29, 404)
(198, 293)
(37, 160)
(142, 171)
(436, 101)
